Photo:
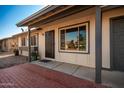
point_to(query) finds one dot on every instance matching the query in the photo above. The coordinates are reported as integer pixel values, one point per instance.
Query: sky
(12, 14)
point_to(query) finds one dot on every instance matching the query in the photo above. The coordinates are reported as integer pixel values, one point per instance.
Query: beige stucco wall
(3, 43)
(82, 59)
(106, 34)
(25, 53)
(74, 58)
(8, 43)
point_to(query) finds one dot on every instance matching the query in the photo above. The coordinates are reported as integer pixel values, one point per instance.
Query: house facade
(7, 44)
(22, 42)
(68, 34)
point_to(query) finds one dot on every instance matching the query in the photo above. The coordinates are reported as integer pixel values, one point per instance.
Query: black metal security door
(49, 44)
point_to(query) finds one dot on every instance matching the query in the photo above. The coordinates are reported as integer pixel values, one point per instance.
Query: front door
(117, 43)
(49, 44)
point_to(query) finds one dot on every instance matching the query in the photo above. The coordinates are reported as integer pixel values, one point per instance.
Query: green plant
(34, 56)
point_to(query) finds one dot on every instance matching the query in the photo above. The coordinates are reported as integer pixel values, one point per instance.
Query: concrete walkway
(109, 78)
(6, 54)
(7, 59)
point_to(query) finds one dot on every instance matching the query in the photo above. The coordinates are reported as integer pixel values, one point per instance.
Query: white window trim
(23, 42)
(87, 38)
(36, 36)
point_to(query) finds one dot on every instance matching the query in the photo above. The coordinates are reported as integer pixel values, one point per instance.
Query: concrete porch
(109, 78)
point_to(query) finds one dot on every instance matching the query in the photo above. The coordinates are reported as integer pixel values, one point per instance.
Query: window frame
(34, 42)
(23, 41)
(73, 26)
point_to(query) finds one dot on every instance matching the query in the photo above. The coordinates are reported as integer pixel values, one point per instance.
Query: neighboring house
(22, 44)
(68, 34)
(6, 44)
(15, 42)
(20, 41)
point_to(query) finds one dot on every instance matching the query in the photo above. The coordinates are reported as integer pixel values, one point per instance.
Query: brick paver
(31, 75)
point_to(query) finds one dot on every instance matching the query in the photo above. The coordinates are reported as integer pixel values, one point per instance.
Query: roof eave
(47, 9)
(37, 14)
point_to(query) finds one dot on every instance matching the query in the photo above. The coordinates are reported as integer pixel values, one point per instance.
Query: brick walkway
(30, 75)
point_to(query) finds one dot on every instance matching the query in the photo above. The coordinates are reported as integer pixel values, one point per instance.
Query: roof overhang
(43, 14)
(54, 12)
(109, 7)
(5, 38)
(26, 32)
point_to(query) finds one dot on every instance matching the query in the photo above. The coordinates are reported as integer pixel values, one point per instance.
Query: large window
(74, 38)
(33, 40)
(23, 41)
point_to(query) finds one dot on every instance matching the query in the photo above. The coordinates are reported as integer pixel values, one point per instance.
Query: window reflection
(72, 39)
